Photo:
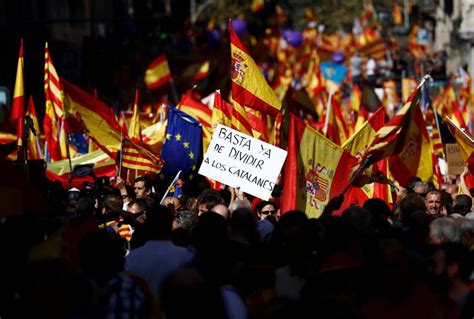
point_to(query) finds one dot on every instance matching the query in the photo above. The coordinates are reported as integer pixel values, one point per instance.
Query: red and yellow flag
(54, 131)
(34, 146)
(230, 115)
(200, 112)
(416, 157)
(18, 104)
(316, 170)
(158, 73)
(196, 71)
(394, 136)
(249, 87)
(136, 157)
(464, 139)
(135, 131)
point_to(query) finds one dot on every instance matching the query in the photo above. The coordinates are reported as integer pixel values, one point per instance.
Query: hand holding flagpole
(169, 187)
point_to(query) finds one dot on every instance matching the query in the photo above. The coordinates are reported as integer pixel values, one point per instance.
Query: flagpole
(435, 113)
(168, 190)
(120, 157)
(68, 154)
(356, 174)
(328, 114)
(174, 91)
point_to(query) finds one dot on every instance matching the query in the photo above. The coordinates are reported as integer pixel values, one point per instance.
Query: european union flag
(79, 142)
(182, 145)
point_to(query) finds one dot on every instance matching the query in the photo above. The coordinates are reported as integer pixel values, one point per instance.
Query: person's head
(420, 188)
(450, 262)
(462, 204)
(142, 187)
(410, 204)
(265, 209)
(222, 210)
(159, 222)
(444, 230)
(112, 204)
(172, 202)
(208, 199)
(434, 202)
(138, 208)
(239, 203)
(101, 255)
(85, 207)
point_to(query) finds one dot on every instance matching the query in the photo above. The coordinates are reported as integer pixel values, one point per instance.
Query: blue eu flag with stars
(182, 145)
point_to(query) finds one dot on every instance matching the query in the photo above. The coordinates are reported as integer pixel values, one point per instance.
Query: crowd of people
(128, 252)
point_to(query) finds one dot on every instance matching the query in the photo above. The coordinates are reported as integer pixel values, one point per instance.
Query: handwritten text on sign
(239, 160)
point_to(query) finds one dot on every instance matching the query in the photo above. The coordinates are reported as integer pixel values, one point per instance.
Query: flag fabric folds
(54, 110)
(134, 131)
(200, 112)
(196, 71)
(137, 157)
(182, 146)
(18, 104)
(34, 146)
(158, 73)
(465, 141)
(249, 87)
(393, 137)
(86, 114)
(316, 170)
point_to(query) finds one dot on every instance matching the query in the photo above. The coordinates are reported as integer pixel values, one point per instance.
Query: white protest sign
(239, 160)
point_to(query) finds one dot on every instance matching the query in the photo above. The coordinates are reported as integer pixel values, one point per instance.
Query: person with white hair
(444, 230)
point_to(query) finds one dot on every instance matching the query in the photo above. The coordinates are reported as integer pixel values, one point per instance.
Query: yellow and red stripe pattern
(134, 131)
(137, 157)
(34, 146)
(18, 104)
(249, 87)
(393, 136)
(158, 73)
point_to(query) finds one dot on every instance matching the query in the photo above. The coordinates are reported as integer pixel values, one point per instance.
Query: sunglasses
(267, 212)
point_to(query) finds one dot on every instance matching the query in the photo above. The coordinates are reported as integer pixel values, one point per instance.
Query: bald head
(222, 210)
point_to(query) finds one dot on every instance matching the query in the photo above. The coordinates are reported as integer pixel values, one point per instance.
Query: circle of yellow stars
(179, 138)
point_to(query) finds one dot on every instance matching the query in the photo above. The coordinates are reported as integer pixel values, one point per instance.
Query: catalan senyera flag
(249, 87)
(135, 131)
(393, 137)
(137, 157)
(158, 73)
(464, 139)
(18, 104)
(34, 145)
(200, 112)
(316, 170)
(196, 71)
(53, 129)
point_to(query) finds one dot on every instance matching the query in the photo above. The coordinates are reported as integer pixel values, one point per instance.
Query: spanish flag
(196, 71)
(18, 104)
(34, 146)
(135, 131)
(158, 73)
(463, 138)
(249, 87)
(315, 171)
(86, 114)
